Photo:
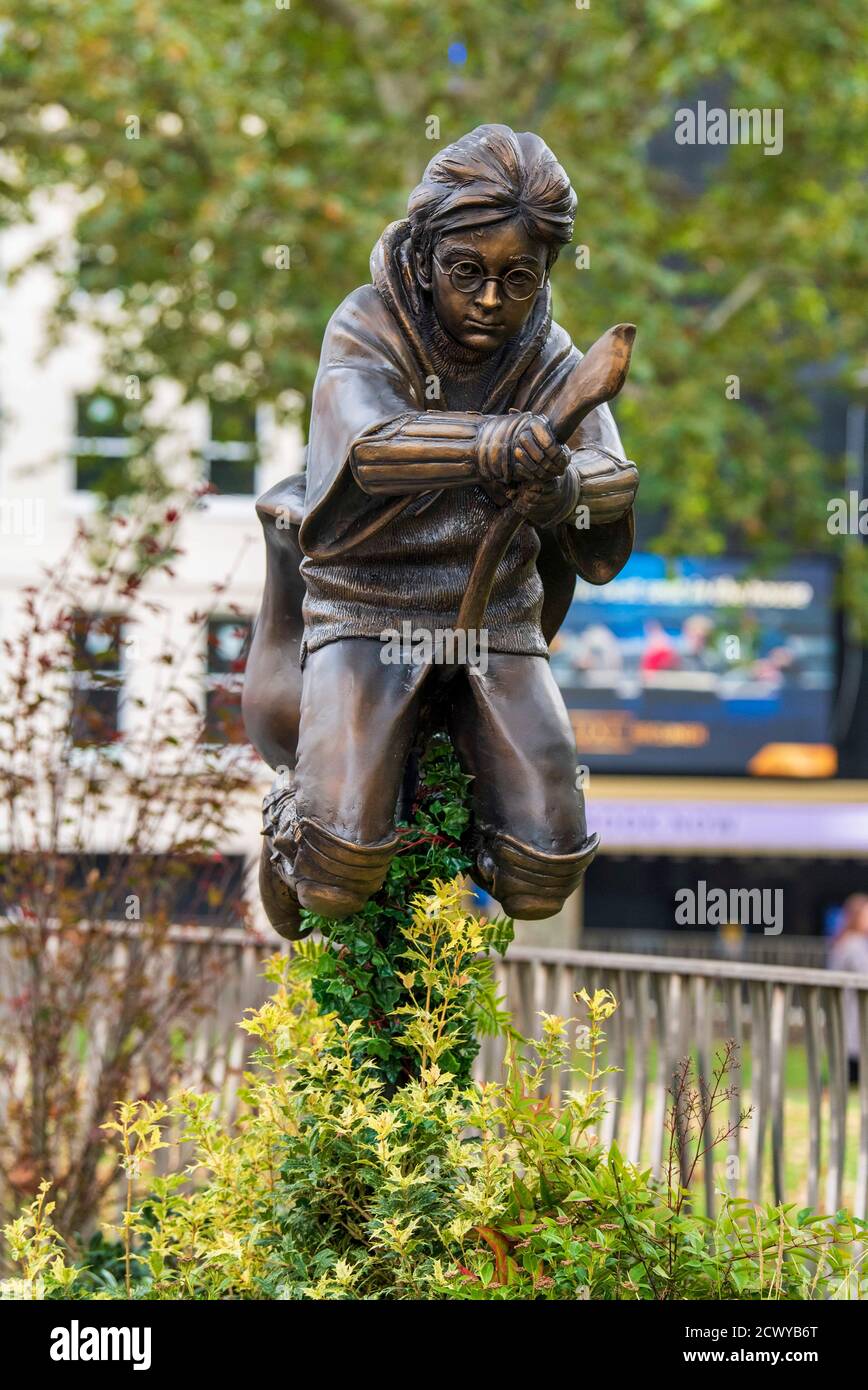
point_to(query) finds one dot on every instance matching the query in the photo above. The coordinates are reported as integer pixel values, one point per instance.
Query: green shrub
(335, 1184)
(368, 1164)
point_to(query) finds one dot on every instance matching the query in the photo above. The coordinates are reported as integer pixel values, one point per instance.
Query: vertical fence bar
(641, 1049)
(860, 1204)
(733, 990)
(759, 1068)
(565, 1007)
(661, 1079)
(813, 1051)
(539, 996)
(703, 1002)
(616, 1056)
(778, 1018)
(833, 1000)
(675, 1031)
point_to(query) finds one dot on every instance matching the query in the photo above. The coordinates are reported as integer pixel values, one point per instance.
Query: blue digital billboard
(698, 665)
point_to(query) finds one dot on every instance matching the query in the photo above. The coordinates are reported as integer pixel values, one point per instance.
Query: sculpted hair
(487, 176)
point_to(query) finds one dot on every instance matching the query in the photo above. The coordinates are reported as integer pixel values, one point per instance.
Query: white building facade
(59, 426)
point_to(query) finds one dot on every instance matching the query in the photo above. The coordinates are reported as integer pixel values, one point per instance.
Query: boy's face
(485, 317)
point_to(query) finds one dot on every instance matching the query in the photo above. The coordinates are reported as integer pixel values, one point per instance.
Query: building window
(232, 451)
(228, 640)
(97, 678)
(104, 426)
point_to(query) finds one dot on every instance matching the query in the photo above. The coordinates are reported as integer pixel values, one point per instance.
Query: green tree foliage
(203, 138)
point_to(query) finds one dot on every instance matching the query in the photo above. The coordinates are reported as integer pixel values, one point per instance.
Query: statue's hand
(536, 453)
(519, 448)
(608, 485)
(548, 500)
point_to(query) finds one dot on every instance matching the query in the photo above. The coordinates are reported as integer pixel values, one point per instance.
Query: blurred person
(598, 649)
(696, 650)
(659, 652)
(849, 951)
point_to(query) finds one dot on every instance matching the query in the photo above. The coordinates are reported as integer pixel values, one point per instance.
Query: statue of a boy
(432, 415)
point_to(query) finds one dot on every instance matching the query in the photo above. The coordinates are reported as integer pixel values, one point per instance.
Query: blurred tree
(235, 164)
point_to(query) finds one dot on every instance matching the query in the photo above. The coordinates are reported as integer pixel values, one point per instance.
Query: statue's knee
(530, 883)
(335, 877)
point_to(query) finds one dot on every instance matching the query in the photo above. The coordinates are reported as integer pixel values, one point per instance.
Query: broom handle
(597, 377)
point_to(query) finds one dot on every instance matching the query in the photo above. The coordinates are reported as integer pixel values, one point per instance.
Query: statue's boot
(531, 884)
(305, 865)
(278, 898)
(276, 887)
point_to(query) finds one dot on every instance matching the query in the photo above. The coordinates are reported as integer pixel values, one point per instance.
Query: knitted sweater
(416, 568)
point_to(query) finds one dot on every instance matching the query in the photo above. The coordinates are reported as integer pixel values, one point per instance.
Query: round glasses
(467, 277)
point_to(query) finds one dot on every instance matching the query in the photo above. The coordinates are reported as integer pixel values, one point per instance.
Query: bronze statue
(462, 468)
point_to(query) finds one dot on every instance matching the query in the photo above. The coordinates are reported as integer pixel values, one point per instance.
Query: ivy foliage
(369, 963)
